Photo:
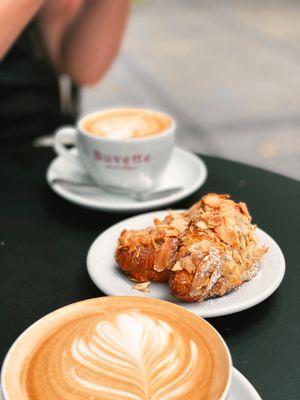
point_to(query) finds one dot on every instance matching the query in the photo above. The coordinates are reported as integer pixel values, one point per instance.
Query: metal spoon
(136, 196)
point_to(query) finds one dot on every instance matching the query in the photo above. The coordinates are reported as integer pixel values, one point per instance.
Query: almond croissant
(204, 252)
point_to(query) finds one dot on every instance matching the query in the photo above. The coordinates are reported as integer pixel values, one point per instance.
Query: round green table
(44, 241)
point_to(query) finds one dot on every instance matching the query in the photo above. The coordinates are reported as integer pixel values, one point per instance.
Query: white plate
(241, 388)
(108, 277)
(184, 169)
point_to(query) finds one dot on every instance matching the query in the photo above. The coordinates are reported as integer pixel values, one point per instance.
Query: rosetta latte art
(148, 356)
(116, 348)
(134, 357)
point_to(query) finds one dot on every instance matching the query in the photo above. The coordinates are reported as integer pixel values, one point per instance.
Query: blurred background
(227, 70)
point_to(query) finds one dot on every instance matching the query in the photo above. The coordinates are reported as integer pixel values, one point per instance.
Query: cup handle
(69, 133)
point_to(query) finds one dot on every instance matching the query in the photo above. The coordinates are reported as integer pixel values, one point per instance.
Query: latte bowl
(116, 346)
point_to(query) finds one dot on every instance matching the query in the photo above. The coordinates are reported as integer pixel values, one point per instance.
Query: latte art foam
(131, 357)
(126, 124)
(133, 354)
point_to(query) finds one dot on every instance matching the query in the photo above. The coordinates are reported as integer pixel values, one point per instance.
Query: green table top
(44, 241)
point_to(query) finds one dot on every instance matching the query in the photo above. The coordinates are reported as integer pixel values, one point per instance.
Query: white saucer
(108, 277)
(185, 170)
(241, 388)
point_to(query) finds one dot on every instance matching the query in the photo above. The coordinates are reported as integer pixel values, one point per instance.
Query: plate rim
(242, 380)
(138, 206)
(210, 314)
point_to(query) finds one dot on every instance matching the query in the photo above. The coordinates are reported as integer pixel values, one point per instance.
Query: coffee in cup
(118, 348)
(123, 150)
(127, 124)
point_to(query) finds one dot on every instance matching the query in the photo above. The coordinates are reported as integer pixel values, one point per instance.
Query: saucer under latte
(184, 169)
(118, 348)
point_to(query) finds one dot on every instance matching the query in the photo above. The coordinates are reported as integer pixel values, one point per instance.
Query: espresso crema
(117, 348)
(126, 124)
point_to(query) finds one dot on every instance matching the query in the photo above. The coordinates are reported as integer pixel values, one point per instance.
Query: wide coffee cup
(116, 348)
(123, 150)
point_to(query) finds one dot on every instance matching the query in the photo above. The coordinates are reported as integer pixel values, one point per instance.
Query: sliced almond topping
(177, 267)
(202, 282)
(165, 258)
(201, 225)
(188, 265)
(142, 287)
(180, 224)
(250, 249)
(168, 219)
(242, 242)
(209, 232)
(244, 209)
(213, 200)
(168, 229)
(163, 226)
(211, 219)
(254, 237)
(236, 256)
(203, 245)
(172, 232)
(228, 236)
(231, 222)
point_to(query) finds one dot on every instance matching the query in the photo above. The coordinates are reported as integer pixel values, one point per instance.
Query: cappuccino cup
(118, 348)
(124, 149)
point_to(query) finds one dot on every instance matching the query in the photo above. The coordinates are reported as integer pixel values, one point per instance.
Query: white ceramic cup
(36, 326)
(119, 165)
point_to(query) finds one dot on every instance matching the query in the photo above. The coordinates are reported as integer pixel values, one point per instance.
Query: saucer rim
(130, 204)
(240, 380)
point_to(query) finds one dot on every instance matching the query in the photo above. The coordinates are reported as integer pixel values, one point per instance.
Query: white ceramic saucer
(108, 277)
(184, 170)
(241, 388)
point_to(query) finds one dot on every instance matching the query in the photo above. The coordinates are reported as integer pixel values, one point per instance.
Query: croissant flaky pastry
(204, 252)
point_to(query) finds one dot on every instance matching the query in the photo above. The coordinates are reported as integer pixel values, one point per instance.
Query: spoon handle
(137, 196)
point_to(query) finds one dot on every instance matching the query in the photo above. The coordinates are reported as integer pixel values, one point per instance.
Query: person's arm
(14, 16)
(85, 45)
